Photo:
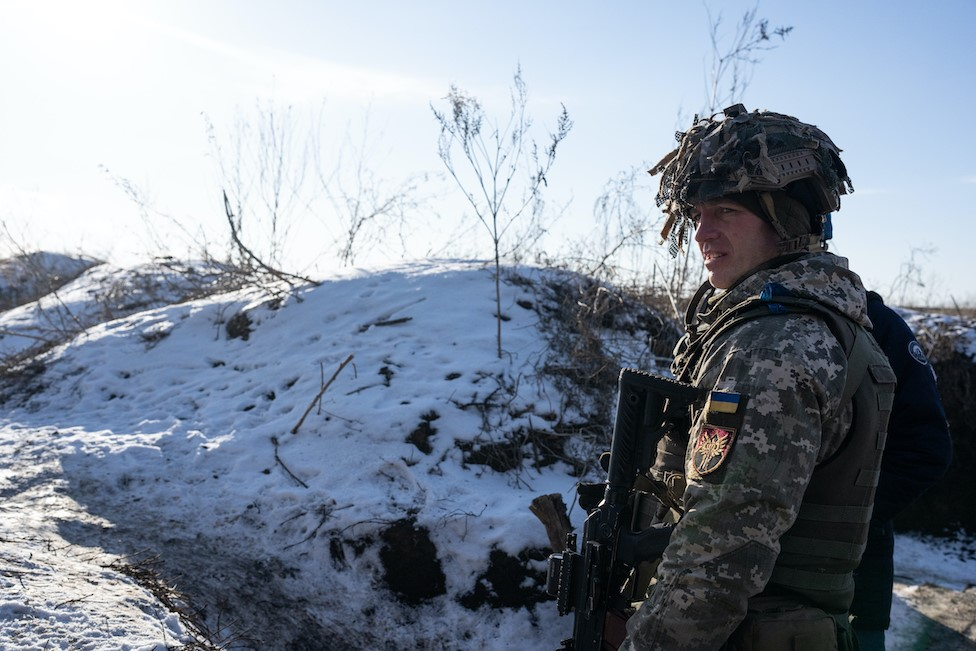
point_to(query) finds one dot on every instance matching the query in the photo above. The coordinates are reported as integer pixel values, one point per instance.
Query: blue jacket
(918, 449)
(917, 453)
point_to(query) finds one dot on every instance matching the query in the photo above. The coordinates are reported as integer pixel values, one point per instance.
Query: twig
(294, 430)
(326, 513)
(73, 601)
(388, 318)
(667, 288)
(367, 326)
(250, 255)
(363, 388)
(12, 333)
(274, 439)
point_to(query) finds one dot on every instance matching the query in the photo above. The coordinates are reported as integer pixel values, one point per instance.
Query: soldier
(917, 454)
(777, 473)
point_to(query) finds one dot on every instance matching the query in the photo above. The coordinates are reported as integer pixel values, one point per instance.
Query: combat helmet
(759, 152)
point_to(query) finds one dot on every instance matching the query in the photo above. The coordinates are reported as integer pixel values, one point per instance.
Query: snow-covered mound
(27, 277)
(352, 461)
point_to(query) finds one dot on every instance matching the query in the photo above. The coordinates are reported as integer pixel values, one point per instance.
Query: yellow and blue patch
(723, 418)
(723, 402)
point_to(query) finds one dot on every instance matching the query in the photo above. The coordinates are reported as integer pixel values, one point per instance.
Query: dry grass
(145, 570)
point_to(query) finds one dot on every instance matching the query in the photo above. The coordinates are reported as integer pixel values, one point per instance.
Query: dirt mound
(946, 618)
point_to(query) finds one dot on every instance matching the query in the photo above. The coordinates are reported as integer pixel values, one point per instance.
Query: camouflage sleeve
(752, 449)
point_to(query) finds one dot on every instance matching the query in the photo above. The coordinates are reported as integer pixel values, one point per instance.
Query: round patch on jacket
(711, 448)
(915, 350)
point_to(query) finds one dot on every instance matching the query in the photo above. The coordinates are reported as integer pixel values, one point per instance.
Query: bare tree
(282, 188)
(620, 249)
(505, 172)
(910, 284)
(159, 223)
(624, 224)
(733, 65)
(284, 184)
(365, 206)
(263, 177)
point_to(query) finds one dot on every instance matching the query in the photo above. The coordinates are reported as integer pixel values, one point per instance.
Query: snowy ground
(185, 441)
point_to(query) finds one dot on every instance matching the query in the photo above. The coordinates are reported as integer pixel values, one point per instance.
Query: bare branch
(735, 64)
(496, 158)
(251, 258)
(318, 396)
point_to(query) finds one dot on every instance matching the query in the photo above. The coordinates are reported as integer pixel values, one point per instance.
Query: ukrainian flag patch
(723, 402)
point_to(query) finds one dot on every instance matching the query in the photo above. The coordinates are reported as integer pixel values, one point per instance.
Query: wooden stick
(551, 511)
(294, 430)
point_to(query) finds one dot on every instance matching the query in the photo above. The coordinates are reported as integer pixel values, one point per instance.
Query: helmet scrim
(748, 152)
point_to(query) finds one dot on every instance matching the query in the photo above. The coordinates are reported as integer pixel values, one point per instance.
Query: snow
(936, 329)
(152, 440)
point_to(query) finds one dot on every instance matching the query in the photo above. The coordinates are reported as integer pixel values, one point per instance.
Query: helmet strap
(769, 206)
(809, 242)
(789, 243)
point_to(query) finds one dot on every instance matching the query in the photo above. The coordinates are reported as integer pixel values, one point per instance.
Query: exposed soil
(945, 618)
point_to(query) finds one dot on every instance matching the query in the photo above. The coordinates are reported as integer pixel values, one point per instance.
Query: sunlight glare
(76, 35)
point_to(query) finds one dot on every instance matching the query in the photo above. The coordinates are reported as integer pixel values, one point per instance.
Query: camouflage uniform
(773, 414)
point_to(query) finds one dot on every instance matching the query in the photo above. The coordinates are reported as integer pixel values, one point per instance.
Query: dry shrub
(951, 504)
(144, 569)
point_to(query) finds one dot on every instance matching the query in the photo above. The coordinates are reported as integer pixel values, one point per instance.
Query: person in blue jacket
(917, 453)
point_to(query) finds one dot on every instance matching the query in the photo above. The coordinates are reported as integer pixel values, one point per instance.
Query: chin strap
(789, 244)
(810, 242)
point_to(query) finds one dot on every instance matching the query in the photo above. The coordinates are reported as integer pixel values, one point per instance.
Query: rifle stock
(589, 582)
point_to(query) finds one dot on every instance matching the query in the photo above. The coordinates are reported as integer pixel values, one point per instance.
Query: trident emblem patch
(712, 448)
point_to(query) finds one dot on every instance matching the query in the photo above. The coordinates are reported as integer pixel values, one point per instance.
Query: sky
(102, 96)
(159, 442)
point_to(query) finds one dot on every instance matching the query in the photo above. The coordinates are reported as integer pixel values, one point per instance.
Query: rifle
(590, 582)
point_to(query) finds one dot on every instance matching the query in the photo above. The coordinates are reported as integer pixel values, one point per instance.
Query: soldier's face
(732, 240)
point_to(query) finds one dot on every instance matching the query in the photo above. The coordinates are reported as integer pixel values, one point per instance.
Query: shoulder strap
(859, 357)
(776, 300)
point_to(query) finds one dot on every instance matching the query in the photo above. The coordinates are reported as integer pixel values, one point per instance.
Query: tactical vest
(820, 551)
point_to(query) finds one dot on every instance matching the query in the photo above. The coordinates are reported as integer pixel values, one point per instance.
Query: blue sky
(97, 91)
